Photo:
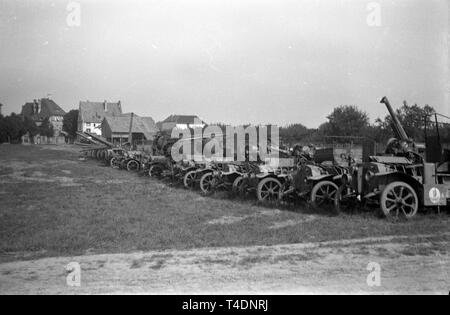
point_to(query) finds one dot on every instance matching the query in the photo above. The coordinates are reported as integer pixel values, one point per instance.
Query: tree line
(349, 122)
(343, 124)
(15, 126)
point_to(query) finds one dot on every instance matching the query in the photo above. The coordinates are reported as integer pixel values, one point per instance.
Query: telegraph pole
(130, 134)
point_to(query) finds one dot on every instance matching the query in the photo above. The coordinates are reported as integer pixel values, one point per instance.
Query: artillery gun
(291, 179)
(221, 177)
(401, 181)
(316, 180)
(163, 165)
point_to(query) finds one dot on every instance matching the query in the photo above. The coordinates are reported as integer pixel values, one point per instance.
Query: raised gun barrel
(400, 133)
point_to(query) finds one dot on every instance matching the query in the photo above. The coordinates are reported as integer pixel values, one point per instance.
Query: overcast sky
(233, 61)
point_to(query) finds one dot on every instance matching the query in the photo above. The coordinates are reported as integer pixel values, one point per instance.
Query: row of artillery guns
(399, 182)
(301, 173)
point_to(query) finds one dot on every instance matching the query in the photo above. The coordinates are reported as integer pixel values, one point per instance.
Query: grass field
(53, 204)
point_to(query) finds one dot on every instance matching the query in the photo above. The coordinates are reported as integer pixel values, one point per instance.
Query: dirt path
(408, 265)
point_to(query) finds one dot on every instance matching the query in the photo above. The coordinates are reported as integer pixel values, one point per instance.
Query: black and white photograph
(221, 154)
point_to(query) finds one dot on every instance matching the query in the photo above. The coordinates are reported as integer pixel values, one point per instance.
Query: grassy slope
(90, 208)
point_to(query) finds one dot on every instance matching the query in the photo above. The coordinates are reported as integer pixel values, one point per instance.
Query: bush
(70, 123)
(46, 129)
(11, 128)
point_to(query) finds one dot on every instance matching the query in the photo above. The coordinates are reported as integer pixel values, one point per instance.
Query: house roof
(121, 124)
(94, 112)
(183, 119)
(47, 108)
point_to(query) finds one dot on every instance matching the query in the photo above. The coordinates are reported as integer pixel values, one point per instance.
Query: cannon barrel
(399, 132)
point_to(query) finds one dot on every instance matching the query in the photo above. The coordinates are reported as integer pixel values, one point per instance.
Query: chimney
(35, 106)
(1, 108)
(119, 104)
(105, 105)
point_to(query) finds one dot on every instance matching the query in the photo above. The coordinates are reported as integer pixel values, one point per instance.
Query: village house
(91, 115)
(116, 129)
(42, 109)
(181, 122)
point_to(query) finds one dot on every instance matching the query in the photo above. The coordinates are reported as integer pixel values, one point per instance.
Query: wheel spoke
(410, 206)
(394, 193)
(391, 207)
(404, 212)
(408, 197)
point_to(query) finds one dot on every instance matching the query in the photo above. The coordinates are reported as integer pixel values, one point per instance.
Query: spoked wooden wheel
(115, 162)
(269, 190)
(325, 196)
(133, 166)
(207, 183)
(155, 171)
(399, 199)
(189, 179)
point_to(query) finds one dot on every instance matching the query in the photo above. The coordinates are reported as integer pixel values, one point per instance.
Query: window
(88, 130)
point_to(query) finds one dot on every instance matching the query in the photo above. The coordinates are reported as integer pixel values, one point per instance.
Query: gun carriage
(403, 180)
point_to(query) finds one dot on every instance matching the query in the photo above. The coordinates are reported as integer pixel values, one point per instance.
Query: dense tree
(70, 123)
(346, 121)
(2, 129)
(30, 127)
(445, 131)
(11, 128)
(412, 119)
(295, 133)
(325, 129)
(46, 128)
